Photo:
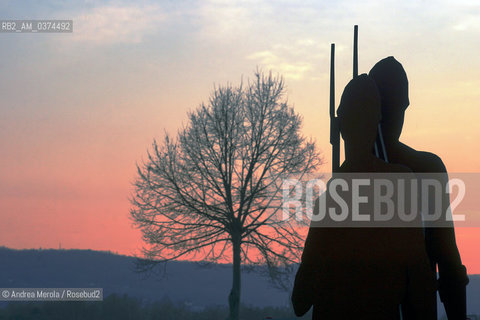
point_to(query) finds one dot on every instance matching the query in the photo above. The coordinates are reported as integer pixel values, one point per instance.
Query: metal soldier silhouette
(372, 273)
(392, 82)
(365, 272)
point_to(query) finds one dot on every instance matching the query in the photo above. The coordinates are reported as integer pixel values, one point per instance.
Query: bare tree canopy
(214, 192)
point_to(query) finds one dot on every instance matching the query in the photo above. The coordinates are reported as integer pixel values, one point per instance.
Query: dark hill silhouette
(185, 281)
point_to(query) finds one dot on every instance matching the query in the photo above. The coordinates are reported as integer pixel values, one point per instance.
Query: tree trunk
(234, 297)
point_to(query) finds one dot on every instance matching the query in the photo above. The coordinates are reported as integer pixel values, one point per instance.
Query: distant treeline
(123, 307)
(117, 307)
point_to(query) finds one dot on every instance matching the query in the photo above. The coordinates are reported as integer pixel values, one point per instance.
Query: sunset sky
(79, 110)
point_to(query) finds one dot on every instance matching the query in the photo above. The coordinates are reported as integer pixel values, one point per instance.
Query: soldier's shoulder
(420, 161)
(432, 161)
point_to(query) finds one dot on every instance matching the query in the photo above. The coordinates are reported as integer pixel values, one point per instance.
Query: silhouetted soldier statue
(363, 272)
(392, 84)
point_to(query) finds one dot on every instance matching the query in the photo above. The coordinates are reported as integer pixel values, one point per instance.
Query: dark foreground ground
(116, 307)
(184, 290)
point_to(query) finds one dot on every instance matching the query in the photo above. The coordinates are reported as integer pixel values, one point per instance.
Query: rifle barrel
(332, 81)
(355, 51)
(334, 127)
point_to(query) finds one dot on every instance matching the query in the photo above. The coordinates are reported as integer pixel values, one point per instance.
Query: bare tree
(214, 192)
